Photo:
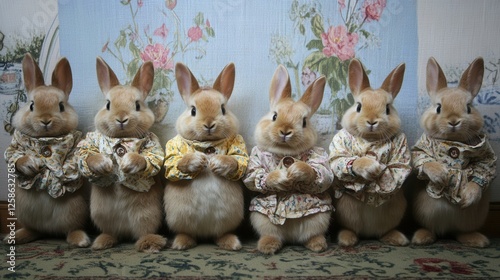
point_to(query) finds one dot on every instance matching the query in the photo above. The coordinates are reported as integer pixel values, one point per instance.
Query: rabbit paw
(368, 168)
(133, 163)
(28, 166)
(470, 194)
(223, 165)
(278, 180)
(192, 163)
(436, 172)
(100, 164)
(301, 172)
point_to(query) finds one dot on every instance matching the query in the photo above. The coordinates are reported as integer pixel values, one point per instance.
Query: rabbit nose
(286, 133)
(122, 121)
(209, 126)
(372, 123)
(454, 123)
(46, 123)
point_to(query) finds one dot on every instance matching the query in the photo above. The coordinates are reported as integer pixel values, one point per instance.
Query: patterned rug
(54, 259)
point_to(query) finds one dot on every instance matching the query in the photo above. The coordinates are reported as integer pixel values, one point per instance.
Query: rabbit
(454, 160)
(289, 172)
(49, 197)
(370, 158)
(121, 159)
(204, 163)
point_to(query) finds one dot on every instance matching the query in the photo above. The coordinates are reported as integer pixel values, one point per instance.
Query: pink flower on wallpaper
(372, 9)
(170, 4)
(158, 54)
(161, 31)
(207, 23)
(140, 3)
(195, 33)
(341, 4)
(337, 41)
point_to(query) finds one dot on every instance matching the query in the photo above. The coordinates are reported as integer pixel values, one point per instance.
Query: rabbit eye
(193, 111)
(61, 107)
(358, 108)
(469, 108)
(108, 105)
(275, 116)
(223, 109)
(304, 122)
(137, 106)
(438, 109)
(387, 109)
(32, 106)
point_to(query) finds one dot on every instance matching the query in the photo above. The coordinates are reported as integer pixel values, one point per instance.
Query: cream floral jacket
(278, 205)
(393, 154)
(178, 146)
(59, 169)
(115, 148)
(464, 163)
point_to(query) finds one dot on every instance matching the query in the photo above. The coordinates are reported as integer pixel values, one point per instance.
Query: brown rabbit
(291, 174)
(49, 198)
(371, 160)
(120, 159)
(204, 164)
(455, 159)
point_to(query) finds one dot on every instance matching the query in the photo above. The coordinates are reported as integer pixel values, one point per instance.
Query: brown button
(210, 150)
(454, 152)
(45, 151)
(287, 161)
(120, 150)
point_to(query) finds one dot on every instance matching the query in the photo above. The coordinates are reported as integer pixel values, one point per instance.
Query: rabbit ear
(106, 77)
(472, 78)
(225, 81)
(358, 80)
(435, 77)
(143, 79)
(186, 82)
(392, 84)
(280, 86)
(314, 94)
(62, 78)
(33, 76)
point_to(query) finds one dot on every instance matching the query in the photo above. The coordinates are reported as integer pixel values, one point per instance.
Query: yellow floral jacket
(464, 163)
(115, 148)
(393, 154)
(59, 170)
(178, 146)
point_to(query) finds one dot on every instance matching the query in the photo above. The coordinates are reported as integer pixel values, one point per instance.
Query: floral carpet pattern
(54, 259)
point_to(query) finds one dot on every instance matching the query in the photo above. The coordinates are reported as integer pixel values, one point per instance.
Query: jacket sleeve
(174, 151)
(483, 169)
(238, 150)
(70, 166)
(340, 156)
(319, 161)
(154, 155)
(14, 152)
(87, 147)
(257, 172)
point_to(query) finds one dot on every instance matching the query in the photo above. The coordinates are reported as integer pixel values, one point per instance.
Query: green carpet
(54, 259)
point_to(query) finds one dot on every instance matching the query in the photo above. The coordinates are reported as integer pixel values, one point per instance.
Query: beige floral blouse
(393, 154)
(115, 148)
(278, 205)
(59, 170)
(465, 163)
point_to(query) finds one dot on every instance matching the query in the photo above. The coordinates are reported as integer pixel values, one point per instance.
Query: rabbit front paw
(301, 172)
(436, 172)
(223, 165)
(471, 194)
(133, 163)
(278, 180)
(368, 168)
(192, 163)
(100, 164)
(28, 166)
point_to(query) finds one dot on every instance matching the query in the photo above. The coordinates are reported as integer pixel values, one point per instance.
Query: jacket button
(287, 161)
(120, 150)
(45, 151)
(454, 152)
(210, 150)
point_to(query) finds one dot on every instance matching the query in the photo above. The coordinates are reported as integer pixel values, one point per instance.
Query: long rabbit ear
(280, 86)
(435, 77)
(105, 76)
(358, 80)
(186, 82)
(392, 84)
(62, 78)
(225, 81)
(472, 78)
(314, 94)
(143, 79)
(33, 76)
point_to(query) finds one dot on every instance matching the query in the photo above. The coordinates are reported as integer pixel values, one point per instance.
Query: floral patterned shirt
(393, 154)
(115, 148)
(464, 163)
(304, 200)
(59, 170)
(178, 146)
